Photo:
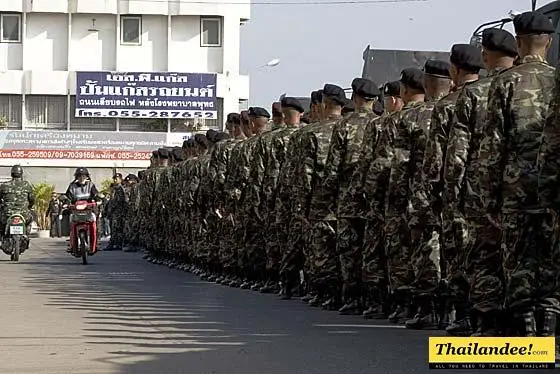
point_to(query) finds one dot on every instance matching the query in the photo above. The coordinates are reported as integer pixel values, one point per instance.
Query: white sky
(320, 44)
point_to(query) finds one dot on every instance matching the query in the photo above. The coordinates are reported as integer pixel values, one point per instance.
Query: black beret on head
(185, 144)
(467, 57)
(155, 153)
(258, 112)
(500, 41)
(178, 154)
(365, 88)
(211, 134)
(221, 136)
(201, 139)
(413, 78)
(141, 174)
(335, 93)
(392, 89)
(292, 103)
(234, 118)
(163, 153)
(529, 23)
(191, 143)
(131, 177)
(437, 68)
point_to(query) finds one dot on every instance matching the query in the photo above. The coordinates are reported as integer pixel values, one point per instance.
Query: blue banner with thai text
(146, 95)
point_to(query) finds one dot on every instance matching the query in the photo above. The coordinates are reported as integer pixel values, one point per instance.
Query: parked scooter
(83, 238)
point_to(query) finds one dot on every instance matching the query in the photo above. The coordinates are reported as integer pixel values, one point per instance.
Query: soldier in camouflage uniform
(339, 201)
(466, 61)
(391, 189)
(318, 230)
(512, 146)
(362, 188)
(461, 197)
(425, 249)
(231, 223)
(277, 116)
(273, 206)
(317, 107)
(118, 204)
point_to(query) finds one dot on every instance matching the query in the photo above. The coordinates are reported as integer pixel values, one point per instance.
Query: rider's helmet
(17, 171)
(80, 172)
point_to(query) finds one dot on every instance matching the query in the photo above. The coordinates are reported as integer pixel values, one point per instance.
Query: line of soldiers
(440, 213)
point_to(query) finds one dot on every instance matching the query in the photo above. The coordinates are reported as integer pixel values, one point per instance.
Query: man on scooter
(17, 197)
(83, 189)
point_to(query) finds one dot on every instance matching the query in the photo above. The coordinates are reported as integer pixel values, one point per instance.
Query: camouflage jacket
(359, 190)
(460, 171)
(232, 186)
(316, 147)
(202, 194)
(419, 136)
(220, 160)
(434, 156)
(190, 181)
(275, 159)
(251, 176)
(342, 160)
(518, 103)
(16, 196)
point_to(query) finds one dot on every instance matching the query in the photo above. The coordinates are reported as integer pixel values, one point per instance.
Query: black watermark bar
(492, 366)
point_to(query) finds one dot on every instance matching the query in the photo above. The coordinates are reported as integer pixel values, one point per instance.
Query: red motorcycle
(83, 230)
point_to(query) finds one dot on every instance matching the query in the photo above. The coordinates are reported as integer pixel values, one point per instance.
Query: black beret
(258, 112)
(201, 139)
(276, 109)
(178, 154)
(365, 88)
(163, 153)
(335, 93)
(191, 143)
(117, 175)
(413, 78)
(317, 97)
(532, 23)
(155, 153)
(293, 103)
(234, 118)
(185, 144)
(141, 174)
(210, 134)
(392, 89)
(499, 40)
(437, 68)
(221, 136)
(131, 177)
(466, 57)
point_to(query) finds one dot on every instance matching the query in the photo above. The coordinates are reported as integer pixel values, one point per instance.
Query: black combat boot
(425, 318)
(487, 324)
(461, 326)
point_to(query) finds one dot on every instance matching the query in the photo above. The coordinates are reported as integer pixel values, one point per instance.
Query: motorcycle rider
(83, 189)
(16, 197)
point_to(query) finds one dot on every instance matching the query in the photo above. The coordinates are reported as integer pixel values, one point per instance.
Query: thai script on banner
(152, 95)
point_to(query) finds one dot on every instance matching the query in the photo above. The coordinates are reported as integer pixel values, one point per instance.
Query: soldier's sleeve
(550, 168)
(365, 158)
(328, 192)
(377, 177)
(492, 152)
(309, 151)
(458, 148)
(435, 147)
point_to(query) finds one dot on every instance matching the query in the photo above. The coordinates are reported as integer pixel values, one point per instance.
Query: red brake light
(16, 220)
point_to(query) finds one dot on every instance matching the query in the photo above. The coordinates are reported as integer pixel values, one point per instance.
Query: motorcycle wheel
(17, 248)
(83, 247)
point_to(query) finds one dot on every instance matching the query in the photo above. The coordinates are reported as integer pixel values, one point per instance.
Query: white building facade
(46, 44)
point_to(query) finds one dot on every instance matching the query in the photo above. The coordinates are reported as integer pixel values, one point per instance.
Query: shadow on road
(147, 320)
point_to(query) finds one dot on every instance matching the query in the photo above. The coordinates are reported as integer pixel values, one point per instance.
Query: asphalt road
(120, 314)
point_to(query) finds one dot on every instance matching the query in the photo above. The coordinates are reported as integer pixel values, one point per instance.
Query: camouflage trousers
(485, 262)
(349, 244)
(455, 241)
(252, 260)
(276, 237)
(323, 264)
(228, 250)
(117, 230)
(374, 260)
(425, 258)
(398, 252)
(294, 251)
(531, 262)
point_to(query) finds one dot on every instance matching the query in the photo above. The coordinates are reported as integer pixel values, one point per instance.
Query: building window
(10, 111)
(131, 30)
(210, 32)
(46, 112)
(11, 27)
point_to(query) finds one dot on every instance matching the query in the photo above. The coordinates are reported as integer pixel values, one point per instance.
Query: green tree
(43, 193)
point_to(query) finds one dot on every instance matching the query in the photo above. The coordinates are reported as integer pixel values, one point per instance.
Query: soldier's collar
(531, 58)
